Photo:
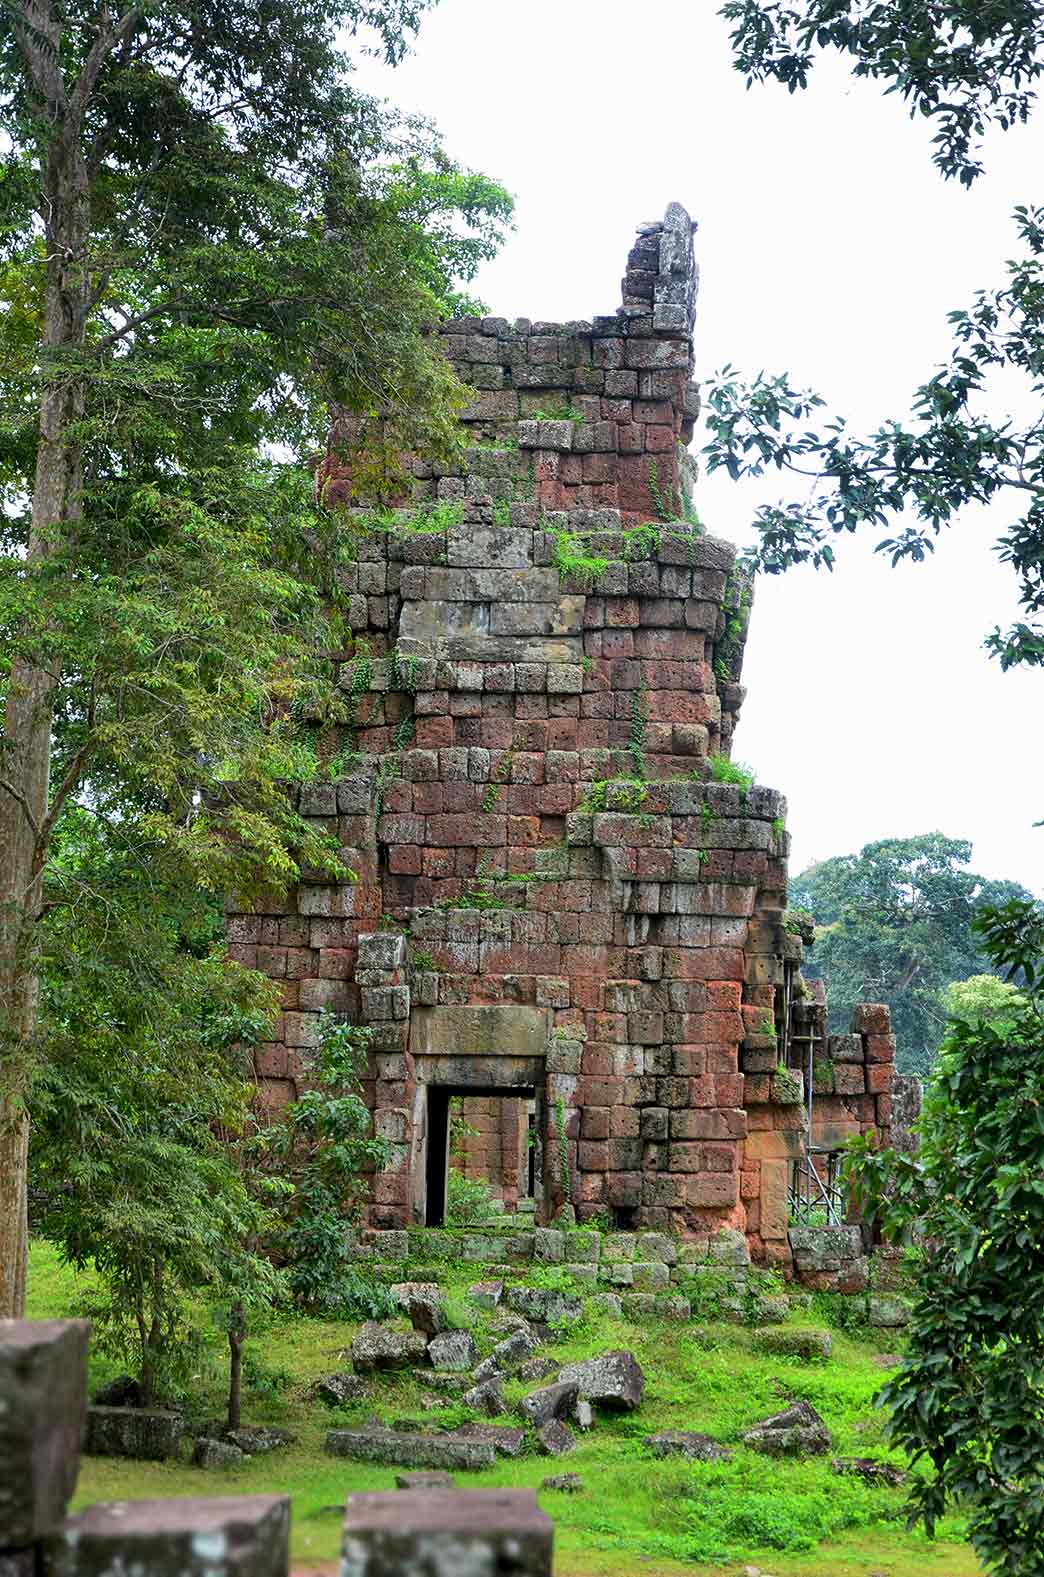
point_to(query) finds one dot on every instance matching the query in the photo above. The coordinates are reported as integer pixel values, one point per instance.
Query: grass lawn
(637, 1514)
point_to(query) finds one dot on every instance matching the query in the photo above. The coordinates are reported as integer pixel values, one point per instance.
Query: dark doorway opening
(441, 1098)
(437, 1162)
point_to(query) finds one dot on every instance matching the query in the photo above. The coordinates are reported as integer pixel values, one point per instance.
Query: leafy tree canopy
(963, 65)
(983, 997)
(948, 453)
(144, 1020)
(895, 925)
(968, 1401)
(207, 238)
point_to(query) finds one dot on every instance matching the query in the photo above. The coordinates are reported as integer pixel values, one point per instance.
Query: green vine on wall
(564, 1178)
(639, 730)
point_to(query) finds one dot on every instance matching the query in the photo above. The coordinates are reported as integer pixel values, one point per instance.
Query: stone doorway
(493, 1059)
(518, 1125)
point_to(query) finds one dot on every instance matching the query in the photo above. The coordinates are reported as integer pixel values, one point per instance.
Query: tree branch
(107, 39)
(20, 799)
(30, 24)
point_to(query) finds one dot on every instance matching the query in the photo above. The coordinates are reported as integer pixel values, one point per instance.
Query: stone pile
(43, 1412)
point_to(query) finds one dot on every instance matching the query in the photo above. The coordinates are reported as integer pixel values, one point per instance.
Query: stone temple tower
(567, 919)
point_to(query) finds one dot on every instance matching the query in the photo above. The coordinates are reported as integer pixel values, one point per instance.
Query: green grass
(793, 1519)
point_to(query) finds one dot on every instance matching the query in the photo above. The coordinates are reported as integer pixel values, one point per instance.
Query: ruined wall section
(544, 671)
(547, 748)
(623, 383)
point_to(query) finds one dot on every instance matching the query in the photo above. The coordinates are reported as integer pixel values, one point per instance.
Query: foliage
(207, 240)
(144, 1019)
(725, 771)
(969, 1398)
(621, 794)
(468, 1199)
(963, 65)
(325, 1137)
(894, 925)
(574, 562)
(983, 997)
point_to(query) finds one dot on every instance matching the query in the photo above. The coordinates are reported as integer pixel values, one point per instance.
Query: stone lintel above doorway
(509, 1030)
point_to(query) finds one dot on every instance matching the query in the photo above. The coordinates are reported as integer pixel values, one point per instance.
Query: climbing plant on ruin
(206, 235)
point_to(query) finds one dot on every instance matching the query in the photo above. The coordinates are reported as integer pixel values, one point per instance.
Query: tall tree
(895, 924)
(963, 65)
(968, 1401)
(206, 237)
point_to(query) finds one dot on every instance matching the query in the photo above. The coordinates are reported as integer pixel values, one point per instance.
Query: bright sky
(829, 247)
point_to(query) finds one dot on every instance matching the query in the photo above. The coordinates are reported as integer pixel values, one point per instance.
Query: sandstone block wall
(541, 696)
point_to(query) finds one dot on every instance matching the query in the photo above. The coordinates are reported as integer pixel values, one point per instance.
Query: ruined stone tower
(543, 696)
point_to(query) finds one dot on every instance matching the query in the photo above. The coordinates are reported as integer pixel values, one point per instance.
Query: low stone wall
(633, 1275)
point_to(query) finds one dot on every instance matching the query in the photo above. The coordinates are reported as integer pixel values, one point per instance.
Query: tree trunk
(25, 744)
(236, 1333)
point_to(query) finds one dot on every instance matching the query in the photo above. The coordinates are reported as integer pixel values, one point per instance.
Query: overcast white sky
(830, 247)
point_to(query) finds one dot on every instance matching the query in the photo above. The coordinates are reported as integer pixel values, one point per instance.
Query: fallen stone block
(507, 1354)
(506, 1442)
(147, 1436)
(797, 1431)
(376, 1347)
(423, 1304)
(409, 1450)
(613, 1380)
(550, 1401)
(537, 1369)
(452, 1350)
(541, 1303)
(228, 1536)
(451, 1383)
(448, 1531)
(486, 1294)
(555, 1438)
(338, 1389)
(870, 1469)
(808, 1345)
(565, 1483)
(486, 1398)
(425, 1479)
(687, 1443)
(215, 1453)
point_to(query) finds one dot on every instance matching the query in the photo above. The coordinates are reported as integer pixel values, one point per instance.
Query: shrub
(468, 1200)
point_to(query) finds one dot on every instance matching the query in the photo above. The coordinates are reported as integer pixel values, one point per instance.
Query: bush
(468, 1200)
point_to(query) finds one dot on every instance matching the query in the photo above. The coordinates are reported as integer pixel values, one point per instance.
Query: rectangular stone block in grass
(487, 1531)
(231, 1536)
(147, 1436)
(409, 1450)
